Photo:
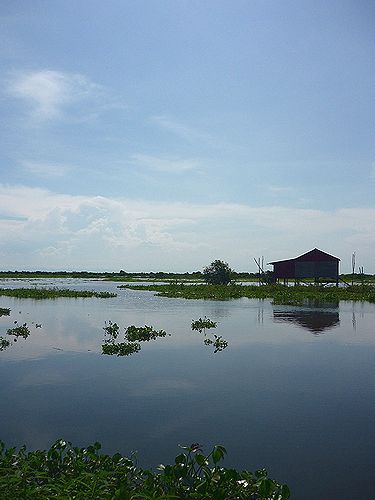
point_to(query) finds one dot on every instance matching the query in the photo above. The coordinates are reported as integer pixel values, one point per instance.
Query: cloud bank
(46, 230)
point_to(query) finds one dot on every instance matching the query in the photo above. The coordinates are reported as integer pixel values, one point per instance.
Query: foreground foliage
(51, 293)
(69, 472)
(282, 294)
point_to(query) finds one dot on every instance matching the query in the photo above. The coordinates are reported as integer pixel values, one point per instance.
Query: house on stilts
(315, 265)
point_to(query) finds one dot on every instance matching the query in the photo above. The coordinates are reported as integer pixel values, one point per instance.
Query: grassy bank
(51, 293)
(69, 472)
(282, 294)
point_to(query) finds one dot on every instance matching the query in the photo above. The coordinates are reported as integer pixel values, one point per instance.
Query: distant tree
(217, 273)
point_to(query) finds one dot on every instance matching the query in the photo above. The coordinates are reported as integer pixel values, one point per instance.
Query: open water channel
(294, 391)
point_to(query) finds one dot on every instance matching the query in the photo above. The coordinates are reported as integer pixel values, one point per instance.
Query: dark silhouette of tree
(218, 273)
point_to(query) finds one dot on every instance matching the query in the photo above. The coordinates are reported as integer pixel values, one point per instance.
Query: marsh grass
(4, 311)
(68, 472)
(52, 293)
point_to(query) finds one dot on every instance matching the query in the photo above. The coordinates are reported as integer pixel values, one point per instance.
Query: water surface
(294, 391)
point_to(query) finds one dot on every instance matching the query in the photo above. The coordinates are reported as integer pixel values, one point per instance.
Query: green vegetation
(132, 337)
(218, 273)
(4, 311)
(67, 472)
(4, 343)
(201, 325)
(16, 332)
(281, 294)
(19, 331)
(51, 293)
(217, 342)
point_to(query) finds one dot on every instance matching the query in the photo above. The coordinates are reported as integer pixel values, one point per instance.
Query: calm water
(294, 391)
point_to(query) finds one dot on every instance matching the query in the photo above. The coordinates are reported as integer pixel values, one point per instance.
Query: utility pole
(353, 267)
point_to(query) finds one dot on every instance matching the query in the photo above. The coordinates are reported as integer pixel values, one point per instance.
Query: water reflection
(314, 316)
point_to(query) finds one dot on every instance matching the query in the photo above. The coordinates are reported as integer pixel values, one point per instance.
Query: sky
(161, 135)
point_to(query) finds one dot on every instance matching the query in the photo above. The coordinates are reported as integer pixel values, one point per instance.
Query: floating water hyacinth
(133, 335)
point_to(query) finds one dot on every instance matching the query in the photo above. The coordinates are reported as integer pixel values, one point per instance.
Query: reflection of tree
(316, 317)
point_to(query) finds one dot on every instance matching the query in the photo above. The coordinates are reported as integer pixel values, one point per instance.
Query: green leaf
(200, 459)
(218, 453)
(285, 492)
(180, 459)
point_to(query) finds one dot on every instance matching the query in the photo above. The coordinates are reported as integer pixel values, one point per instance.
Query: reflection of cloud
(167, 385)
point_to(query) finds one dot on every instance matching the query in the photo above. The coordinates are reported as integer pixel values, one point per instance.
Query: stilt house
(315, 264)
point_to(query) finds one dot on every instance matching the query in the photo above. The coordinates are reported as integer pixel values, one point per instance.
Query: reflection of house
(314, 320)
(315, 264)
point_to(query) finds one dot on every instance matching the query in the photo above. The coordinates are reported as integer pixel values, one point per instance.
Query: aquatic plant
(132, 336)
(143, 333)
(111, 329)
(201, 325)
(281, 294)
(66, 471)
(218, 343)
(4, 311)
(52, 293)
(16, 332)
(19, 331)
(4, 343)
(120, 348)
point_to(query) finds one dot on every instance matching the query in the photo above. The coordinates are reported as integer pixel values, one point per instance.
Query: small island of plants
(282, 294)
(52, 293)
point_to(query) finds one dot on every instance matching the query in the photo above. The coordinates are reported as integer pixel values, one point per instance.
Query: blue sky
(160, 135)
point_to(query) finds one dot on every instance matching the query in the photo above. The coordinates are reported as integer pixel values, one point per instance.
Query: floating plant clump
(16, 332)
(52, 293)
(133, 335)
(201, 325)
(218, 343)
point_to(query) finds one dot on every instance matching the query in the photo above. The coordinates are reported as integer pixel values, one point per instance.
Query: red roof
(312, 255)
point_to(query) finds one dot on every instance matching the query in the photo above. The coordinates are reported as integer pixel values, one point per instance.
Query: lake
(294, 391)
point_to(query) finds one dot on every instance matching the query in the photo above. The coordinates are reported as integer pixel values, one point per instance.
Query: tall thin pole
(353, 267)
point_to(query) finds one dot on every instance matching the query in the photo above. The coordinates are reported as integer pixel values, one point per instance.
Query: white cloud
(168, 165)
(47, 91)
(280, 189)
(56, 231)
(180, 129)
